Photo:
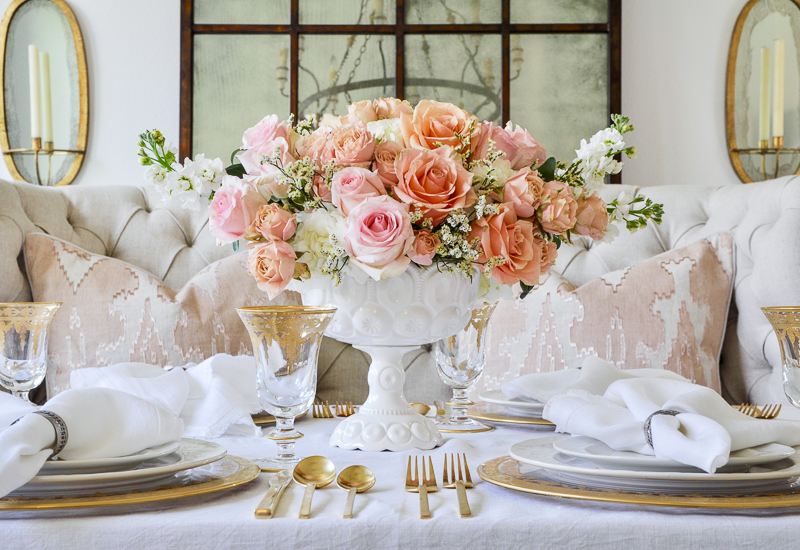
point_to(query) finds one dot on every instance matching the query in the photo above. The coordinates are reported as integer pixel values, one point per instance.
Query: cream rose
(352, 145)
(559, 208)
(352, 185)
(386, 130)
(378, 235)
(434, 123)
(272, 265)
(435, 180)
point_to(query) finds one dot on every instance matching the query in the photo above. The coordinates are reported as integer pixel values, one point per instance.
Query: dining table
(386, 516)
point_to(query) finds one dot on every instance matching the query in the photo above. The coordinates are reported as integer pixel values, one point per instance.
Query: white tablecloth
(388, 517)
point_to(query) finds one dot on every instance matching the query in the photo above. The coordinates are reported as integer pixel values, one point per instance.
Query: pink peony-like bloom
(378, 235)
(272, 265)
(352, 145)
(520, 149)
(391, 107)
(352, 185)
(435, 180)
(435, 123)
(233, 209)
(360, 111)
(592, 217)
(272, 222)
(524, 190)
(504, 235)
(559, 208)
(424, 248)
(317, 145)
(269, 129)
(385, 155)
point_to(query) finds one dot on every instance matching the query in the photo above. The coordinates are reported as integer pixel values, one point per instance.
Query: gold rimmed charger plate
(506, 472)
(229, 472)
(495, 413)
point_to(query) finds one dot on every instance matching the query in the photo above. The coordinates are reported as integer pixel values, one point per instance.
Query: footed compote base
(386, 421)
(469, 426)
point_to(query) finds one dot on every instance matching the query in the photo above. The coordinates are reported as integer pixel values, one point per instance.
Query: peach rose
(391, 107)
(385, 155)
(524, 190)
(424, 248)
(435, 122)
(504, 235)
(352, 144)
(520, 149)
(559, 208)
(322, 190)
(351, 186)
(435, 180)
(361, 111)
(548, 255)
(233, 209)
(272, 265)
(317, 145)
(592, 217)
(266, 131)
(272, 222)
(378, 235)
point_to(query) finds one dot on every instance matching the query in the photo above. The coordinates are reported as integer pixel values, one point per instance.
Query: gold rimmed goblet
(23, 345)
(286, 341)
(785, 322)
(460, 360)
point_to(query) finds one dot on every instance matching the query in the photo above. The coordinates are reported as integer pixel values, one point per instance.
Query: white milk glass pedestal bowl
(388, 319)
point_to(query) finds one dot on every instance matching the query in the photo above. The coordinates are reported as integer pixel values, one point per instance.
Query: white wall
(673, 65)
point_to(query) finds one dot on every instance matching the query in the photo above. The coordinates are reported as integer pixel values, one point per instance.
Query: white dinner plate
(191, 454)
(94, 465)
(604, 456)
(515, 405)
(540, 452)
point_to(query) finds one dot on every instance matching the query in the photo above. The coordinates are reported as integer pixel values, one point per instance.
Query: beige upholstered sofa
(133, 225)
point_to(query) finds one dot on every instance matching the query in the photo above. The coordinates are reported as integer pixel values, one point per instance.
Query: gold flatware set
(427, 483)
(766, 412)
(340, 410)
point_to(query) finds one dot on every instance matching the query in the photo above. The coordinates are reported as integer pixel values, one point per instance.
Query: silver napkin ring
(61, 430)
(648, 435)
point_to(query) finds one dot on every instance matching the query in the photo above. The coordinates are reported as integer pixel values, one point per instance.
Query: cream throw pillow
(668, 312)
(115, 312)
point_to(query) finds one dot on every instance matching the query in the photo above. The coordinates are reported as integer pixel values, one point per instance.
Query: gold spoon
(420, 408)
(313, 472)
(354, 479)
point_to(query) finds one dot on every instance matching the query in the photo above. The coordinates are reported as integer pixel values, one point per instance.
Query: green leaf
(235, 170)
(235, 245)
(548, 169)
(526, 289)
(235, 152)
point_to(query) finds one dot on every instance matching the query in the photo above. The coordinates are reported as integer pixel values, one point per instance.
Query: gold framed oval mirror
(44, 145)
(762, 91)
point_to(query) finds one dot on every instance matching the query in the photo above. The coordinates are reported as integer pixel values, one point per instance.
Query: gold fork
(767, 412)
(344, 410)
(423, 486)
(459, 484)
(321, 410)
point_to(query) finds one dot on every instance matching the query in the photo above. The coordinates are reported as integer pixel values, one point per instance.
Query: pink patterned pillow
(115, 312)
(668, 312)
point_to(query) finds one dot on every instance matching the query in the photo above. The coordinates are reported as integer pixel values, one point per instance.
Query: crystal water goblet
(286, 342)
(785, 322)
(460, 360)
(23, 345)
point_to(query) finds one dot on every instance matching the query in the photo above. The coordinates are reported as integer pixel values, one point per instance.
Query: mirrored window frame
(189, 29)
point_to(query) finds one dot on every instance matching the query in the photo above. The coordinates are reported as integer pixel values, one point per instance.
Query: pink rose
(317, 145)
(272, 265)
(233, 209)
(361, 111)
(592, 217)
(524, 190)
(435, 180)
(378, 235)
(265, 131)
(351, 186)
(352, 144)
(253, 159)
(559, 208)
(520, 149)
(391, 107)
(272, 222)
(434, 122)
(504, 235)
(424, 247)
(385, 155)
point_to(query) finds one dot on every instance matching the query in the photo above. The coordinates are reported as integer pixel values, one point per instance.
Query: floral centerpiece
(394, 185)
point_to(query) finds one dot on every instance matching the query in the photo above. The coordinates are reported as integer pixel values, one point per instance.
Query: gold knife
(277, 484)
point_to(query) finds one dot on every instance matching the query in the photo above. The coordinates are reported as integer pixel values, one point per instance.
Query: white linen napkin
(595, 376)
(101, 422)
(213, 398)
(702, 435)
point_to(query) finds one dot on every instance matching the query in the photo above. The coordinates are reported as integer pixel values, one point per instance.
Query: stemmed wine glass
(23, 345)
(460, 360)
(286, 342)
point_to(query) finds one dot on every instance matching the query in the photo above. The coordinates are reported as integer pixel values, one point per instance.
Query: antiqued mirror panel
(559, 11)
(250, 12)
(347, 12)
(438, 12)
